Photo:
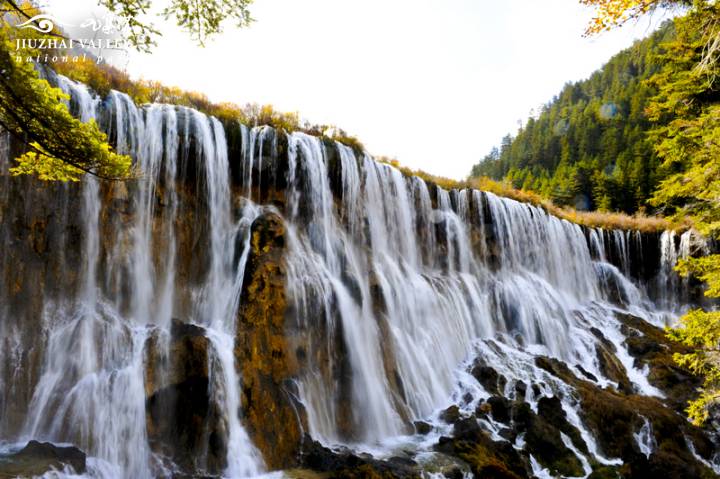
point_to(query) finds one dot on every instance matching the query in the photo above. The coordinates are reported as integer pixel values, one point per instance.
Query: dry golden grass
(441, 181)
(592, 219)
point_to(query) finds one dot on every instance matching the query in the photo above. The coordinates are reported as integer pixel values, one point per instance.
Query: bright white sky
(434, 83)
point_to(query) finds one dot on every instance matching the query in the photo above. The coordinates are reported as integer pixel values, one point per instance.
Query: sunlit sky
(435, 84)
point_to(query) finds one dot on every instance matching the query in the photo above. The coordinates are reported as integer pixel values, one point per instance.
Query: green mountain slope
(588, 147)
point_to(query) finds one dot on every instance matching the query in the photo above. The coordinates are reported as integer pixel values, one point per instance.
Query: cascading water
(91, 390)
(645, 439)
(397, 286)
(545, 295)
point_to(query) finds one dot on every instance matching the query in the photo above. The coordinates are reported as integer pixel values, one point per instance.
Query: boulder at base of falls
(421, 427)
(486, 458)
(348, 465)
(451, 414)
(183, 423)
(37, 458)
(263, 350)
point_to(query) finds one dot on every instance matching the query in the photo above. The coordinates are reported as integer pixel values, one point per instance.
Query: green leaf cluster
(687, 138)
(200, 19)
(59, 146)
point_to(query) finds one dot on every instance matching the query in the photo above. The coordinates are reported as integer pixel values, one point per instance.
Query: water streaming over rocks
(252, 292)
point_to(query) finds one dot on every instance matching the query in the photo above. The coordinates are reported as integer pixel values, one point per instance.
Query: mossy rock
(492, 459)
(550, 409)
(268, 363)
(450, 415)
(650, 347)
(543, 441)
(499, 409)
(491, 380)
(605, 472)
(610, 365)
(486, 458)
(613, 418)
(344, 464)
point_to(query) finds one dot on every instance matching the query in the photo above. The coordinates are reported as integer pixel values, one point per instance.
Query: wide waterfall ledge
(259, 300)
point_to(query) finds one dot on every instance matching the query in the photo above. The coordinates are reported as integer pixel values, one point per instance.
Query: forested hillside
(588, 147)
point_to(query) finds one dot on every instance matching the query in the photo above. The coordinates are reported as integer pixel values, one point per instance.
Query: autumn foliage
(614, 13)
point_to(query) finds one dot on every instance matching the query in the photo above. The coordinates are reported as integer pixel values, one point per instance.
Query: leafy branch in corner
(59, 146)
(200, 19)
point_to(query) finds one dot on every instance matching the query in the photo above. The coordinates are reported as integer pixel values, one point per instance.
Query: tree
(200, 20)
(611, 14)
(690, 146)
(687, 109)
(685, 112)
(60, 147)
(589, 125)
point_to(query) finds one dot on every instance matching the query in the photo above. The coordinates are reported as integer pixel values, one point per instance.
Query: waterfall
(221, 293)
(645, 438)
(673, 290)
(91, 389)
(428, 314)
(396, 288)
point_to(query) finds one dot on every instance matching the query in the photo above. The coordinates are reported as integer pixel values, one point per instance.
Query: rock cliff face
(259, 301)
(268, 356)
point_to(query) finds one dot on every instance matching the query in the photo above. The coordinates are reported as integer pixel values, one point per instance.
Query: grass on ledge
(592, 219)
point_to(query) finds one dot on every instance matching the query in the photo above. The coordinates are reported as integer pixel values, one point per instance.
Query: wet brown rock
(486, 458)
(586, 373)
(186, 357)
(613, 418)
(451, 414)
(543, 441)
(182, 422)
(550, 409)
(467, 429)
(344, 464)
(422, 427)
(499, 408)
(520, 390)
(267, 360)
(489, 378)
(610, 366)
(483, 409)
(650, 346)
